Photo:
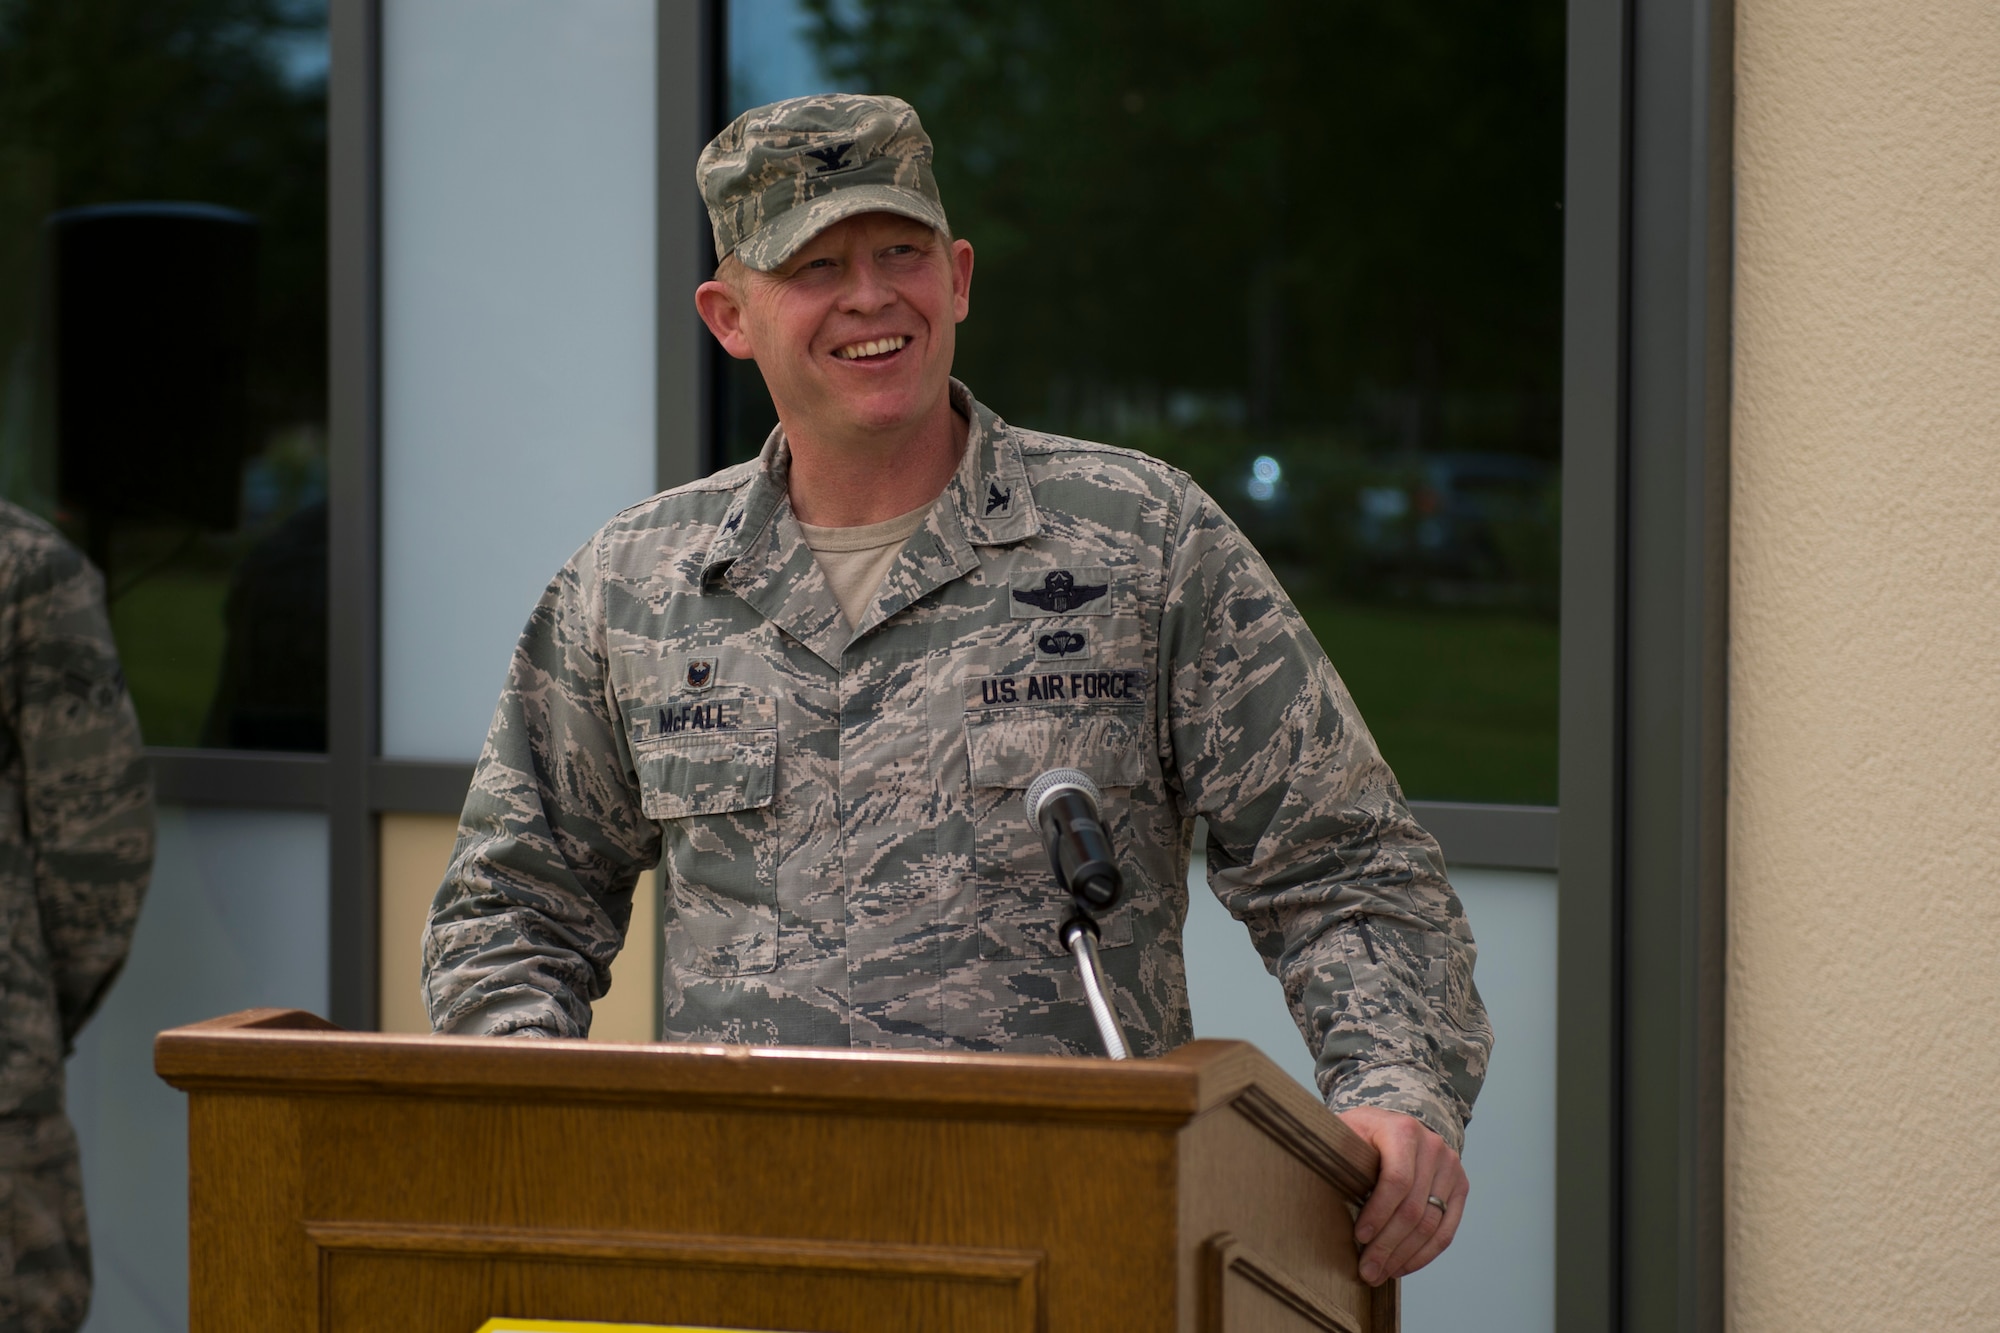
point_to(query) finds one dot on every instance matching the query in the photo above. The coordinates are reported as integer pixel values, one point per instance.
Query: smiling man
(813, 687)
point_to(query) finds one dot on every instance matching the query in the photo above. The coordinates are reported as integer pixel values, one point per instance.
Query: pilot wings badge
(1064, 592)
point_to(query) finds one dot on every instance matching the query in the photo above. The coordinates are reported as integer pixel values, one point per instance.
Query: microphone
(1062, 804)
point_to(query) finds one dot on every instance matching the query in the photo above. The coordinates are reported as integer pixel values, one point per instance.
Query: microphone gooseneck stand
(1079, 936)
(1062, 804)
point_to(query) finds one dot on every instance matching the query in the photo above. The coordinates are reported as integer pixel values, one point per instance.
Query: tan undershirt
(856, 560)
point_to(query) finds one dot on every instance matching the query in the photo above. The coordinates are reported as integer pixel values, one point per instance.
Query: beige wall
(415, 850)
(1864, 880)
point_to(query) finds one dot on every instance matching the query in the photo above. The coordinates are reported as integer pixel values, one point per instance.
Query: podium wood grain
(351, 1182)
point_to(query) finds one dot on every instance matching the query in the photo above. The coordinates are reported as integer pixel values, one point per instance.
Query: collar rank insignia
(735, 522)
(1061, 592)
(701, 673)
(831, 158)
(997, 498)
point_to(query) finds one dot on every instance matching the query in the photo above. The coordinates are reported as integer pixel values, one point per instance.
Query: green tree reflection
(1325, 234)
(212, 101)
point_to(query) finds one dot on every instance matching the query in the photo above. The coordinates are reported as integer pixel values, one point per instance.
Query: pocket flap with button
(707, 758)
(1011, 747)
(1018, 903)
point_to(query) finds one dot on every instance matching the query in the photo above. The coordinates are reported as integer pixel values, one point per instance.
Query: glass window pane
(163, 341)
(517, 330)
(1311, 252)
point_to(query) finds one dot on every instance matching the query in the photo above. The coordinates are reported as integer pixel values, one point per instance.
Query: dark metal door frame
(1648, 266)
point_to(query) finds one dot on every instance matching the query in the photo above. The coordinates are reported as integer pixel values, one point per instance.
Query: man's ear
(722, 310)
(961, 279)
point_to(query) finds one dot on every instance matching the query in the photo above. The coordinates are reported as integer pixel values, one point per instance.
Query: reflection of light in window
(1264, 474)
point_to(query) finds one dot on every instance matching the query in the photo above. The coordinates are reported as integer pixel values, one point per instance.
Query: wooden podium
(359, 1183)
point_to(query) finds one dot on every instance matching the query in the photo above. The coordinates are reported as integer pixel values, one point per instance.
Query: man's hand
(1400, 1229)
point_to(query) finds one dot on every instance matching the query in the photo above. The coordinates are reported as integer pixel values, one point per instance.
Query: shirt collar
(988, 501)
(990, 490)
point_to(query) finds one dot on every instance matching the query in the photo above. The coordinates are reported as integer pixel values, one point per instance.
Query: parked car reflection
(1471, 526)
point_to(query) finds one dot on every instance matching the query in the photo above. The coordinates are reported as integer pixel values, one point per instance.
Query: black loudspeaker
(154, 315)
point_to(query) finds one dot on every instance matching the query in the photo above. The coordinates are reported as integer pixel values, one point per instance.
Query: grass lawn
(169, 632)
(1463, 703)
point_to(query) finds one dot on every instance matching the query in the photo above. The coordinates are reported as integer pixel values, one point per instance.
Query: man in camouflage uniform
(816, 685)
(76, 848)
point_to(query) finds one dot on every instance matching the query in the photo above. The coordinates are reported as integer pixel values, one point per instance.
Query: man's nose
(867, 288)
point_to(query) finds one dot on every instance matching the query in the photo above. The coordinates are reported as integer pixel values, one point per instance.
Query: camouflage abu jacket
(839, 812)
(76, 807)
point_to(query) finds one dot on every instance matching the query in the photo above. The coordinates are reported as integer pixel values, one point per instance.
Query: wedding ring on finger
(1437, 1203)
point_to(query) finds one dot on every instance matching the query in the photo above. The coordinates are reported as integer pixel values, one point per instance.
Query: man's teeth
(875, 348)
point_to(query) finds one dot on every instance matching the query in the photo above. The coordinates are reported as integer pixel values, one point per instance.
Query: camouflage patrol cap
(781, 174)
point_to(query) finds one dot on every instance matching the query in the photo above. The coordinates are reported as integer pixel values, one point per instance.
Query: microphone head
(1053, 781)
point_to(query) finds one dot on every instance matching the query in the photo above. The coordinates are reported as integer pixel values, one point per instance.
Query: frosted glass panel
(1499, 1275)
(236, 917)
(518, 342)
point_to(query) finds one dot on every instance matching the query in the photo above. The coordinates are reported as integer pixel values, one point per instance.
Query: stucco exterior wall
(1864, 874)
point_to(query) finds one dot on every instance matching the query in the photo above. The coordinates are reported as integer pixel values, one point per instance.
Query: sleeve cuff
(1409, 1091)
(519, 1015)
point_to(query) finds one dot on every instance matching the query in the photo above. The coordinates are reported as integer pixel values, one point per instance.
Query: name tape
(711, 715)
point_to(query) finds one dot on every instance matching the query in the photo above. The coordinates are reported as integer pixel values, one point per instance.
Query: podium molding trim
(301, 1053)
(1023, 1272)
(1224, 1256)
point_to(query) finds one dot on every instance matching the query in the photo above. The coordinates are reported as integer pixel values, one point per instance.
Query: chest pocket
(710, 780)
(1020, 907)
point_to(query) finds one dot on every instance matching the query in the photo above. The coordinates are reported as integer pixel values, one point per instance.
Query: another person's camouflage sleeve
(536, 902)
(45, 1271)
(87, 797)
(1310, 843)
